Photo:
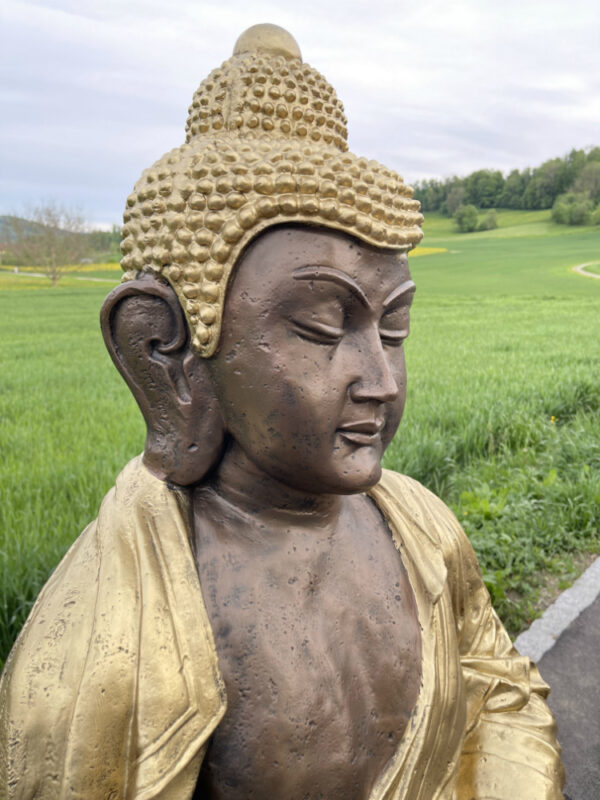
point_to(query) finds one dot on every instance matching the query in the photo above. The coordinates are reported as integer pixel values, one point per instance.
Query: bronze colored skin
(313, 616)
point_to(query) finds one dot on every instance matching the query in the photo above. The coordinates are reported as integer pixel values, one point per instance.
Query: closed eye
(394, 324)
(317, 332)
(393, 338)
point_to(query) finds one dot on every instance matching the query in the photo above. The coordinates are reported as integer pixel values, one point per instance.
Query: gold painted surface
(267, 38)
(487, 732)
(266, 144)
(117, 666)
(113, 686)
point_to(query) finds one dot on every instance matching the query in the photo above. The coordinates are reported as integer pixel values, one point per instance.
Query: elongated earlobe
(147, 337)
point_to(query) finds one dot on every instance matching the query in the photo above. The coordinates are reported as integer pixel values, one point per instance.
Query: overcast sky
(94, 92)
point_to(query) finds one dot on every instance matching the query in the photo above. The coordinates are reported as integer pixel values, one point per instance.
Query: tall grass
(67, 426)
(503, 412)
(503, 422)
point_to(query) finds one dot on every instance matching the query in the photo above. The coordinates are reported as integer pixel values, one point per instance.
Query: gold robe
(113, 687)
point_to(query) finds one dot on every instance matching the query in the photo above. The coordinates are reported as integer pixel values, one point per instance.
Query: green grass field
(502, 418)
(503, 408)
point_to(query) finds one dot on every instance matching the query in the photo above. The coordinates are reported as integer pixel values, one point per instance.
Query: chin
(360, 478)
(348, 479)
(343, 474)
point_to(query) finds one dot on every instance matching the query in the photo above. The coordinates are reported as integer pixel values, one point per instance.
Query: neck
(247, 487)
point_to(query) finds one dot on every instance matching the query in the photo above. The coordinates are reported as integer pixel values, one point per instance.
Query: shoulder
(430, 514)
(61, 622)
(75, 665)
(413, 494)
(418, 502)
(433, 532)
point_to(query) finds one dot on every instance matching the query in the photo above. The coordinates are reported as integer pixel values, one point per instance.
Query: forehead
(270, 264)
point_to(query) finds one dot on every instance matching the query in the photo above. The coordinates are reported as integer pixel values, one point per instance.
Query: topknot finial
(268, 39)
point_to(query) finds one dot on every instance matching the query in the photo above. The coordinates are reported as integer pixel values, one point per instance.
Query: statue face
(310, 372)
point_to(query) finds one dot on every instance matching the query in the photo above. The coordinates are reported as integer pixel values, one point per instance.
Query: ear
(147, 337)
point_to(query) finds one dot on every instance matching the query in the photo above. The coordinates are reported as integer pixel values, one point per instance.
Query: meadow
(502, 416)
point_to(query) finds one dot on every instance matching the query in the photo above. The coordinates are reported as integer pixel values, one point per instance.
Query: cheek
(303, 377)
(395, 409)
(263, 393)
(392, 422)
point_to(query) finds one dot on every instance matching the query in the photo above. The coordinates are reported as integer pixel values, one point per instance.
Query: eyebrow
(339, 277)
(333, 275)
(404, 288)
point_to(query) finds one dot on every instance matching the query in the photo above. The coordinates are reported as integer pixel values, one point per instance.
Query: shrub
(466, 218)
(573, 209)
(489, 222)
(580, 213)
(560, 212)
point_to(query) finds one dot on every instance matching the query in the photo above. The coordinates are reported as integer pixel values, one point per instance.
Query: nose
(375, 373)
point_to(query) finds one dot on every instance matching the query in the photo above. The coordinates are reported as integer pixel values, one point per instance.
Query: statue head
(262, 208)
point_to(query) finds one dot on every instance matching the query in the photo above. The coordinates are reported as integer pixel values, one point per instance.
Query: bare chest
(319, 646)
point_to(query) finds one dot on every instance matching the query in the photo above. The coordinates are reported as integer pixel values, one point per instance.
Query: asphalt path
(565, 643)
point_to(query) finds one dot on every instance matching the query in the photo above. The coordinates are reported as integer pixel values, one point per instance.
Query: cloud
(95, 92)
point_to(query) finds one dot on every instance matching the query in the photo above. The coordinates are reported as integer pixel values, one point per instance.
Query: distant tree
(50, 237)
(454, 199)
(430, 193)
(575, 162)
(593, 154)
(547, 182)
(466, 219)
(514, 189)
(105, 244)
(484, 188)
(588, 181)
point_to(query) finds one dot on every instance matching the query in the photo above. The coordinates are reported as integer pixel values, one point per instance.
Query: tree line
(570, 186)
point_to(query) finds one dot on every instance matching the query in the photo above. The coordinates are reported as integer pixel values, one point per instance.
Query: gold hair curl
(266, 144)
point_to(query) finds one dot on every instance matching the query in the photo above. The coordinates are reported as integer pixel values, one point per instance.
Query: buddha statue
(259, 609)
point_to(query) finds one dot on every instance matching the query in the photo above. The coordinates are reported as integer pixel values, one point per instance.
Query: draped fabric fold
(507, 746)
(113, 687)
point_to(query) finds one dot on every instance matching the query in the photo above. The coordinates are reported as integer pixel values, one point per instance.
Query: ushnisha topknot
(266, 144)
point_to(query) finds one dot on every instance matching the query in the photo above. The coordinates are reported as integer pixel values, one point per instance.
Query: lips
(363, 432)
